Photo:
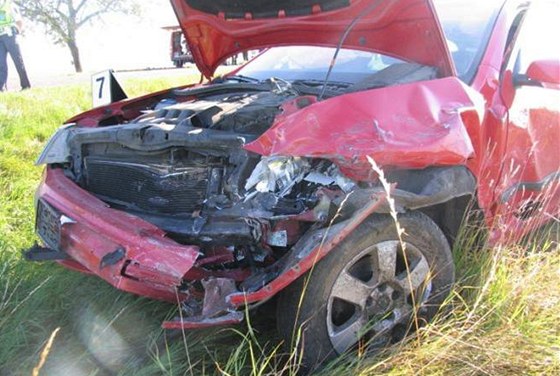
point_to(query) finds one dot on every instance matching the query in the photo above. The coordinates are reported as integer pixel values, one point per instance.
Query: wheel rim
(373, 296)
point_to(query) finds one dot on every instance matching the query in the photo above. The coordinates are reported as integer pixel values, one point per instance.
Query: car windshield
(312, 63)
(467, 27)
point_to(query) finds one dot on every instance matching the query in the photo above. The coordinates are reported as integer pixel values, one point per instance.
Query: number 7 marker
(106, 89)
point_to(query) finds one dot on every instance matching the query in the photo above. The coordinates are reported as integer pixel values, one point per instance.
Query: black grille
(149, 188)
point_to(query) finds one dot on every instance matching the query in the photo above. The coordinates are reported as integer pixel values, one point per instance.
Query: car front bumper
(126, 251)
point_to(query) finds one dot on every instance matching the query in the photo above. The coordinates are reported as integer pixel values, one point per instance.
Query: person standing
(10, 26)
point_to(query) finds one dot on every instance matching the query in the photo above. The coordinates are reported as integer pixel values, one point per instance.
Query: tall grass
(503, 316)
(36, 299)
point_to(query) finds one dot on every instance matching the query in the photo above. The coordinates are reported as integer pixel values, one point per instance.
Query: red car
(258, 184)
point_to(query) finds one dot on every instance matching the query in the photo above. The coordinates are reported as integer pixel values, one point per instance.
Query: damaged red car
(257, 185)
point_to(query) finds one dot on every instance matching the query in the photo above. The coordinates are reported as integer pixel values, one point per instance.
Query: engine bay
(181, 166)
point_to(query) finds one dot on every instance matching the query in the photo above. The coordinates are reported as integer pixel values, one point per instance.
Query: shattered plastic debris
(278, 239)
(332, 176)
(346, 184)
(277, 174)
(319, 178)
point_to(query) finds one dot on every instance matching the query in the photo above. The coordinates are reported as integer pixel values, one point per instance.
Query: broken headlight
(277, 174)
(56, 150)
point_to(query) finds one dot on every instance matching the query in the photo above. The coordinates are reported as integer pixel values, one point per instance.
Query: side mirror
(543, 73)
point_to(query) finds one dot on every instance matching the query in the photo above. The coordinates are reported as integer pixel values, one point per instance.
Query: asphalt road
(82, 78)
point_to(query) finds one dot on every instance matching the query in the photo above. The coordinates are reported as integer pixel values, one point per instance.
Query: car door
(529, 190)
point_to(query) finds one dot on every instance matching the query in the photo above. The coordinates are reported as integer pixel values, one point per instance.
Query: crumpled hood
(406, 29)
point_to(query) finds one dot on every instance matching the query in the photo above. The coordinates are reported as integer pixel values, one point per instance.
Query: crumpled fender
(410, 126)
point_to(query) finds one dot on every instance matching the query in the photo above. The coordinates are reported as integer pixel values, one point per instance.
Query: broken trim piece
(302, 258)
(40, 254)
(203, 322)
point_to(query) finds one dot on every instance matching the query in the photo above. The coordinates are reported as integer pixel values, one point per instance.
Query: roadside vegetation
(503, 317)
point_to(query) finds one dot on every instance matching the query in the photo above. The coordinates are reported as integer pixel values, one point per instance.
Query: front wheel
(368, 288)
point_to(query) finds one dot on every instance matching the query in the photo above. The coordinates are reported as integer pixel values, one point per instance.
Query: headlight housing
(56, 150)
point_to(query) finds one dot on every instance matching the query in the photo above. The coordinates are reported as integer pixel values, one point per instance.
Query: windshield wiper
(238, 78)
(315, 83)
(318, 87)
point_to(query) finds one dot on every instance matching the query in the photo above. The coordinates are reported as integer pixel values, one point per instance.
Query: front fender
(411, 126)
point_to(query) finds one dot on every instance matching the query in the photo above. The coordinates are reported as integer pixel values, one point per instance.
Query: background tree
(63, 18)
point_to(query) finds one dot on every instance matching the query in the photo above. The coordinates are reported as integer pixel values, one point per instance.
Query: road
(83, 78)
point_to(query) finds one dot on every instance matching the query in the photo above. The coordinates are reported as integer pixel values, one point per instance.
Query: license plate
(48, 225)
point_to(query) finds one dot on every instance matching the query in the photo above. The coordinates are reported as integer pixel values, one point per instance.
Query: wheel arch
(445, 194)
(450, 216)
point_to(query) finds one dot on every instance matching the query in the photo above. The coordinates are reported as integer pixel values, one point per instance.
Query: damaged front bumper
(136, 256)
(126, 251)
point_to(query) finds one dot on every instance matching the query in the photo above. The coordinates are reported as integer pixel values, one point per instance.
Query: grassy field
(503, 317)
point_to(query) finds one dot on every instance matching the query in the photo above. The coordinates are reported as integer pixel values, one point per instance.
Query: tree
(63, 18)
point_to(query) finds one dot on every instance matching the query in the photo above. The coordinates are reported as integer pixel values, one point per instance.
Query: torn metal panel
(215, 292)
(215, 309)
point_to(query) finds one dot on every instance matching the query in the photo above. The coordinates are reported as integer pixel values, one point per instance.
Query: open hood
(406, 29)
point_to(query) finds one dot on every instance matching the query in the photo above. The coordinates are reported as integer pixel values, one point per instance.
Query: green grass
(503, 318)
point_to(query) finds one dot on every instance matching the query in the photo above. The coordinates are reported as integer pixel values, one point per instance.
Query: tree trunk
(73, 46)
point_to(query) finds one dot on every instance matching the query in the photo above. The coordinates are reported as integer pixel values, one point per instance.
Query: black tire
(179, 63)
(318, 305)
